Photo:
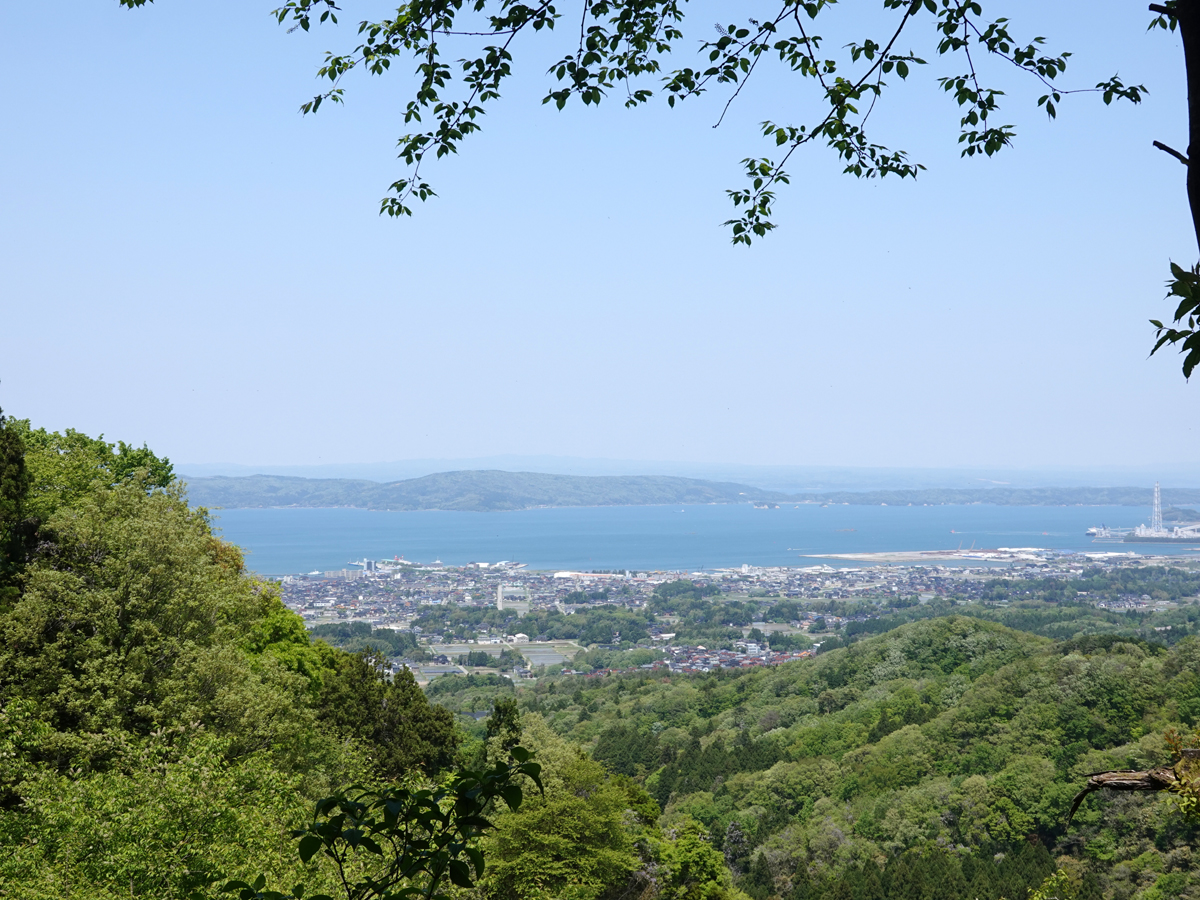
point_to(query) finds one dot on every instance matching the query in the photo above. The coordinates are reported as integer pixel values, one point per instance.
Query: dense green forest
(167, 726)
(164, 720)
(938, 760)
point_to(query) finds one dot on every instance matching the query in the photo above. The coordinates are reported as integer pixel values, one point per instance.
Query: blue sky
(186, 260)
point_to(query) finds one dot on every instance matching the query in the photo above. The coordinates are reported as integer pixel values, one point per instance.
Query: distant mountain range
(491, 490)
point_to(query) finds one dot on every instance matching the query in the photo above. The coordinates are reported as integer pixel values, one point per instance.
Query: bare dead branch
(1175, 153)
(1162, 778)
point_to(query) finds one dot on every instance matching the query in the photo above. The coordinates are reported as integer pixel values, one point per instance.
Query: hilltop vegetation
(942, 754)
(164, 720)
(1063, 610)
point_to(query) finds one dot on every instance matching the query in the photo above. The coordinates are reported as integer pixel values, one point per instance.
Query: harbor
(1154, 533)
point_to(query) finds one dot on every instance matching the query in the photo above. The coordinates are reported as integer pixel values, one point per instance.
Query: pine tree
(759, 883)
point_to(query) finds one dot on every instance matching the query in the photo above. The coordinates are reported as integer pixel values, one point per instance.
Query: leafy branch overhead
(622, 48)
(1184, 284)
(403, 842)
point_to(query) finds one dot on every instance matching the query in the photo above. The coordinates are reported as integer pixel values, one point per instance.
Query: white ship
(1104, 533)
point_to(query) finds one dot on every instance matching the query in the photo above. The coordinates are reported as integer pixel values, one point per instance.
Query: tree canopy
(164, 719)
(939, 760)
(623, 47)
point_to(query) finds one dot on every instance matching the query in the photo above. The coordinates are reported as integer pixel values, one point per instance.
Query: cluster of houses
(409, 597)
(745, 655)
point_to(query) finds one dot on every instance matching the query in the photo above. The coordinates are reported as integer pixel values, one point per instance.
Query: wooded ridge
(493, 490)
(480, 491)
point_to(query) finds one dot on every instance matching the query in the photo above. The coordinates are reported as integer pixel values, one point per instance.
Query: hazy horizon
(216, 292)
(780, 478)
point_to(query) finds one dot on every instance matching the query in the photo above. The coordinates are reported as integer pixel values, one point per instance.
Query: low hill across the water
(492, 490)
(1007, 496)
(480, 491)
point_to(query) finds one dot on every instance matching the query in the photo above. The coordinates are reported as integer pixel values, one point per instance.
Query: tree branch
(1162, 10)
(1175, 153)
(1162, 778)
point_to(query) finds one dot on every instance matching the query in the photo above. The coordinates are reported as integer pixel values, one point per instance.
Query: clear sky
(185, 260)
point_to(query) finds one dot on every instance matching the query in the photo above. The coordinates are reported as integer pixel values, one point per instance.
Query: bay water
(657, 538)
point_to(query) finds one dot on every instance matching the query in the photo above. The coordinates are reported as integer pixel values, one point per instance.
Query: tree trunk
(1187, 13)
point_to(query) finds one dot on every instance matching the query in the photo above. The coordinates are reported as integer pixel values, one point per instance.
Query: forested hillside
(936, 761)
(164, 721)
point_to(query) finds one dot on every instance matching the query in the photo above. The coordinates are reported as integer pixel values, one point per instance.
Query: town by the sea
(666, 538)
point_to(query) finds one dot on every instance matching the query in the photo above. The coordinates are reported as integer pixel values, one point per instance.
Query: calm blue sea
(290, 541)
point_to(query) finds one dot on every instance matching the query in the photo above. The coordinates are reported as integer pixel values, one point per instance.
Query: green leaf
(476, 859)
(512, 795)
(460, 874)
(309, 845)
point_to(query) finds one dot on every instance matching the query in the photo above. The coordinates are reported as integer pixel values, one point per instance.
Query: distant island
(475, 491)
(492, 491)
